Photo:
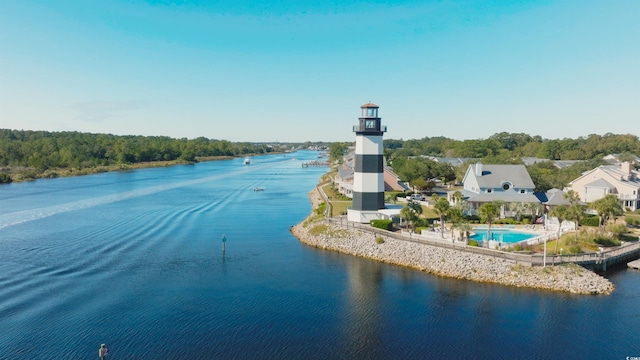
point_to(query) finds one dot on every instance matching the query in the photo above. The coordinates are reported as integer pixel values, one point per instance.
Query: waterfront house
(484, 183)
(343, 181)
(620, 180)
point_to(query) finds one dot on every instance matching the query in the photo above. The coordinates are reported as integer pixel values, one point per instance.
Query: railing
(629, 196)
(517, 258)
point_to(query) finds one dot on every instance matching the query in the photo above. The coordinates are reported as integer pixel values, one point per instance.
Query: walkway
(597, 261)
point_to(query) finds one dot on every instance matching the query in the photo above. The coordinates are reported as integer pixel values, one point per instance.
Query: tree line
(40, 151)
(505, 146)
(406, 157)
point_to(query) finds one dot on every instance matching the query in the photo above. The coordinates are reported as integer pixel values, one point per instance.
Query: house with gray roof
(616, 159)
(560, 164)
(343, 181)
(484, 183)
(455, 162)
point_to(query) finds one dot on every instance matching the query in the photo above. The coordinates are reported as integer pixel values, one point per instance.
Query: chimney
(626, 169)
(478, 169)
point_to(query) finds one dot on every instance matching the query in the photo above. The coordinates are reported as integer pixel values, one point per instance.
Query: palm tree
(488, 212)
(607, 207)
(519, 208)
(457, 197)
(455, 214)
(575, 209)
(465, 231)
(441, 207)
(415, 207)
(561, 212)
(409, 214)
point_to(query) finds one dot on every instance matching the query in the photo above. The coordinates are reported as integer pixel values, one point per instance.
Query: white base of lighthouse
(363, 216)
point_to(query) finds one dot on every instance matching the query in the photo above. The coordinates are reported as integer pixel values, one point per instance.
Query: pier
(315, 163)
(613, 256)
(634, 265)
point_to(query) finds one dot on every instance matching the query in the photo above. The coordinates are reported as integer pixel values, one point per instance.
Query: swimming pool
(501, 235)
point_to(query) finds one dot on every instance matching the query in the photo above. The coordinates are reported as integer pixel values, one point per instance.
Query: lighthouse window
(370, 112)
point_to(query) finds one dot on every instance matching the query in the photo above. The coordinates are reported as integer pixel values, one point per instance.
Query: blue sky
(299, 70)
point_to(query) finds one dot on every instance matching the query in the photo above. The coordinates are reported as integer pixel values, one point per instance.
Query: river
(135, 260)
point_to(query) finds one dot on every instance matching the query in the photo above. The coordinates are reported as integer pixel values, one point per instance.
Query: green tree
(608, 207)
(458, 198)
(456, 216)
(441, 206)
(337, 151)
(408, 213)
(575, 209)
(562, 213)
(489, 212)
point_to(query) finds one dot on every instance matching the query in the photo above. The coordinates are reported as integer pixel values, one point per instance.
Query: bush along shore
(446, 262)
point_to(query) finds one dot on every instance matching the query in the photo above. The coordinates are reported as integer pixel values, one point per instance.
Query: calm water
(134, 260)
(501, 235)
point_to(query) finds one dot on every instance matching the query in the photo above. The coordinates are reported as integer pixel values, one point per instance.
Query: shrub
(472, 219)
(420, 229)
(318, 229)
(424, 222)
(574, 249)
(321, 208)
(589, 220)
(473, 243)
(5, 178)
(606, 241)
(617, 230)
(382, 224)
(380, 240)
(631, 221)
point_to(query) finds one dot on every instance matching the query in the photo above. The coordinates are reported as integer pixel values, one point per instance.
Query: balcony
(629, 196)
(358, 128)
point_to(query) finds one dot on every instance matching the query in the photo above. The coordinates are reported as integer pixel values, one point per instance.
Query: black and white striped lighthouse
(368, 177)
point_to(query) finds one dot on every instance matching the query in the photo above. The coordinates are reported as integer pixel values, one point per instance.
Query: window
(489, 191)
(371, 112)
(506, 186)
(523, 191)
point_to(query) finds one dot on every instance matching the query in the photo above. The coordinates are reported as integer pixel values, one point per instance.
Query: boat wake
(19, 217)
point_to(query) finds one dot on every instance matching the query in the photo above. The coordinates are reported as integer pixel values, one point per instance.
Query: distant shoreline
(18, 175)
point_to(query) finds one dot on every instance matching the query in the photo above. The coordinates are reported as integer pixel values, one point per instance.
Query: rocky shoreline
(447, 262)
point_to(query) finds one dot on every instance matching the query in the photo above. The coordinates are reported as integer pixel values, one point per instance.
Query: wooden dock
(315, 163)
(635, 264)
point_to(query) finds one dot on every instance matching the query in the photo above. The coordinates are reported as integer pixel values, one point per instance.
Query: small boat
(247, 161)
(258, 189)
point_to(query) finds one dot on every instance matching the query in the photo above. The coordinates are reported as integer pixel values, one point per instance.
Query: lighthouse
(368, 176)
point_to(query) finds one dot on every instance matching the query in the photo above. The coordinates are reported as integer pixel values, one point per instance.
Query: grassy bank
(19, 174)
